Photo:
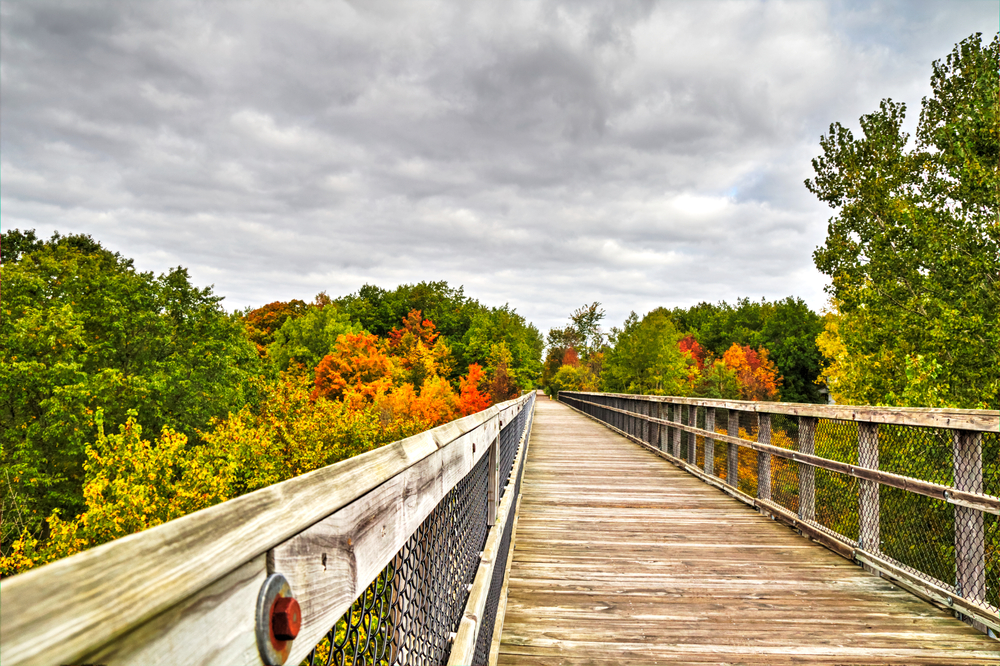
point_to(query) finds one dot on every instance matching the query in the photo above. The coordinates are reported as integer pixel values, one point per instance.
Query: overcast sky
(542, 154)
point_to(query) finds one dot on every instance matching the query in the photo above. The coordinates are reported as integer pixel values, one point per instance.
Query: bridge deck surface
(620, 556)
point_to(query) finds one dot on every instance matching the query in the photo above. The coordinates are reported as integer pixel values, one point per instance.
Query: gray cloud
(541, 154)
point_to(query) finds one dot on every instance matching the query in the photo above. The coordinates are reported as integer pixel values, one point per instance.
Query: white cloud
(543, 154)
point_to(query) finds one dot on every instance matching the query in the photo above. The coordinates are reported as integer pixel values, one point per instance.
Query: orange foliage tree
(470, 399)
(265, 320)
(358, 364)
(690, 346)
(419, 350)
(571, 357)
(757, 374)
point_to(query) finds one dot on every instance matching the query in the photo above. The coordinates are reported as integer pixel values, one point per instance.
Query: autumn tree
(757, 375)
(263, 322)
(786, 327)
(358, 364)
(913, 251)
(502, 385)
(471, 398)
(419, 350)
(558, 342)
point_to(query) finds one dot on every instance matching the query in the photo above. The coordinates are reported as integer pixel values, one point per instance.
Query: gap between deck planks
(620, 556)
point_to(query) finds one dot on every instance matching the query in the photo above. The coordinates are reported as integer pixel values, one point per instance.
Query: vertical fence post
(709, 442)
(763, 459)
(692, 438)
(675, 410)
(627, 406)
(644, 424)
(654, 428)
(868, 501)
(807, 473)
(493, 479)
(733, 450)
(970, 538)
(629, 420)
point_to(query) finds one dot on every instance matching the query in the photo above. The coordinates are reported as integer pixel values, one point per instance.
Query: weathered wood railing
(398, 553)
(911, 494)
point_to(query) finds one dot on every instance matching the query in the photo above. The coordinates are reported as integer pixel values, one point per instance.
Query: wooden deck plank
(620, 556)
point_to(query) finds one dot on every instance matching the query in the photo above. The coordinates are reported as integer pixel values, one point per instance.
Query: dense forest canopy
(128, 399)
(707, 350)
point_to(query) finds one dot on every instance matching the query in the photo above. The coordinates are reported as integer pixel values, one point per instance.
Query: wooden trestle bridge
(600, 529)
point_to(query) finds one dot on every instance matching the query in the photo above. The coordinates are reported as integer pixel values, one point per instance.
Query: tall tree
(914, 249)
(645, 357)
(82, 331)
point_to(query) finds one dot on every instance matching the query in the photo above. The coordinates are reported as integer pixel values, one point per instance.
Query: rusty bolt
(286, 618)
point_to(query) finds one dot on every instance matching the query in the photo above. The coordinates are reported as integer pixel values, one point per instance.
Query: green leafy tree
(83, 331)
(308, 338)
(586, 322)
(644, 357)
(493, 327)
(914, 249)
(573, 378)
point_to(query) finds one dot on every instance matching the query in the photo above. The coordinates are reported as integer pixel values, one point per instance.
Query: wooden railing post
(763, 459)
(709, 442)
(493, 480)
(733, 450)
(653, 410)
(868, 501)
(676, 417)
(807, 473)
(970, 537)
(692, 438)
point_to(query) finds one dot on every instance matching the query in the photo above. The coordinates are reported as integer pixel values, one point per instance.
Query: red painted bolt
(286, 618)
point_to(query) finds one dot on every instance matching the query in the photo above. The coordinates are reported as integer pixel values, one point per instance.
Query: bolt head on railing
(279, 619)
(286, 618)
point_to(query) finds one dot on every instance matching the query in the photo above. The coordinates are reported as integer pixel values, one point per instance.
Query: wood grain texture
(204, 630)
(65, 610)
(620, 556)
(981, 420)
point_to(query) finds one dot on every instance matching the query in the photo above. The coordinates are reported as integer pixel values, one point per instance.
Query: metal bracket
(278, 620)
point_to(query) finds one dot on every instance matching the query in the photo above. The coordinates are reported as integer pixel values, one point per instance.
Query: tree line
(749, 350)
(129, 399)
(913, 257)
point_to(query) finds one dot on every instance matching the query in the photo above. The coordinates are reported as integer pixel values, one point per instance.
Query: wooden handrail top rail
(978, 501)
(979, 420)
(63, 611)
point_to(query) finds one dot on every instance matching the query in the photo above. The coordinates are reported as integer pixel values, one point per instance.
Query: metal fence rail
(395, 556)
(913, 494)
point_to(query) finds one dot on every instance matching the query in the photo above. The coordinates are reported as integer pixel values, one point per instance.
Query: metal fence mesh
(409, 612)
(485, 638)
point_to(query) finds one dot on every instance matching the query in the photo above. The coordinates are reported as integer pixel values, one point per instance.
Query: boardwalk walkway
(620, 556)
